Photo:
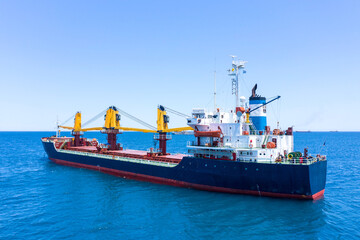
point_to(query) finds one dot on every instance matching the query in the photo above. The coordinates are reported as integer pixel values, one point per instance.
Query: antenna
(237, 68)
(57, 134)
(215, 87)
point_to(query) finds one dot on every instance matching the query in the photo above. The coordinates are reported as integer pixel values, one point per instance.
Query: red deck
(83, 148)
(138, 154)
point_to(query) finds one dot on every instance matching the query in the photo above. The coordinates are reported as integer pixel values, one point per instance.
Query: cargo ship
(232, 151)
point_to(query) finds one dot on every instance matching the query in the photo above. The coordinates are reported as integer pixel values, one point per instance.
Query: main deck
(130, 153)
(126, 153)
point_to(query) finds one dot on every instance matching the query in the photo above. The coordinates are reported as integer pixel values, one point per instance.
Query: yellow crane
(112, 122)
(163, 120)
(112, 127)
(76, 130)
(162, 129)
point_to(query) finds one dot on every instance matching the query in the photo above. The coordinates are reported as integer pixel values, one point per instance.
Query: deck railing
(296, 161)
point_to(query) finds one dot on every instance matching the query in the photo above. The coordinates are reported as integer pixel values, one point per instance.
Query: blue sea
(42, 200)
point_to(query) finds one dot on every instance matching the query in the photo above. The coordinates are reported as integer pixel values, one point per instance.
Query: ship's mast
(215, 91)
(237, 68)
(57, 134)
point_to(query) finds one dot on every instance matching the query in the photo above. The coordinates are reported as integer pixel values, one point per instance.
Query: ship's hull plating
(276, 180)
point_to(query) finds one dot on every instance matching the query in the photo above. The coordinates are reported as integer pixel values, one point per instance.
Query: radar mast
(236, 70)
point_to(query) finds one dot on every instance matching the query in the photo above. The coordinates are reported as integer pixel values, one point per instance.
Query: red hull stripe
(159, 180)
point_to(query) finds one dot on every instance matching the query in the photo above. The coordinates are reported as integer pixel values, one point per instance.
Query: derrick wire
(276, 113)
(72, 117)
(94, 118)
(136, 119)
(176, 112)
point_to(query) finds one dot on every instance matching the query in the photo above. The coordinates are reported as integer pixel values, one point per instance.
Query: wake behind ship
(233, 152)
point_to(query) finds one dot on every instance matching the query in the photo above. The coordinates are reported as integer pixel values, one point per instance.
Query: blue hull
(277, 180)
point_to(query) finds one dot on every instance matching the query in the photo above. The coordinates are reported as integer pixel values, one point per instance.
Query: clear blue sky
(58, 57)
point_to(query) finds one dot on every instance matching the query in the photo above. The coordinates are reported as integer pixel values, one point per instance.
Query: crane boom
(136, 129)
(77, 123)
(65, 127)
(178, 129)
(92, 129)
(276, 98)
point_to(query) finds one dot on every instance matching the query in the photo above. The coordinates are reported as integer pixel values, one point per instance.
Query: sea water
(42, 200)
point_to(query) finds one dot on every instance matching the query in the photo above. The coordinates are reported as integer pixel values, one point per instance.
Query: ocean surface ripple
(43, 200)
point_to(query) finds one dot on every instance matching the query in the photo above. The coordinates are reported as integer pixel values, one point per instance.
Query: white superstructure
(232, 136)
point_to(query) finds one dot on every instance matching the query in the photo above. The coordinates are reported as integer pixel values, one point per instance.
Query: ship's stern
(317, 178)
